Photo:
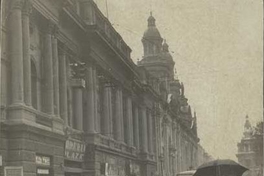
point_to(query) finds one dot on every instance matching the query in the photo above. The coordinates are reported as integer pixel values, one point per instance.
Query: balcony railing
(94, 17)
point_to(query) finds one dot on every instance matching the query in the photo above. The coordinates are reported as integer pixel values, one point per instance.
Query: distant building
(250, 149)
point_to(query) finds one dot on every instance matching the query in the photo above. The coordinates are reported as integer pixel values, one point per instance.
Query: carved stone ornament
(18, 4)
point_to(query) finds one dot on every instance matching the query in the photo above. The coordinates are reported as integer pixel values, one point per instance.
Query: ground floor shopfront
(33, 151)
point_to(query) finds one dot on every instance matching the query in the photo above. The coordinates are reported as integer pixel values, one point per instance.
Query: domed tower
(156, 59)
(151, 40)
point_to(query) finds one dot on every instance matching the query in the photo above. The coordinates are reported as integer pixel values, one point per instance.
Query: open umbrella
(220, 168)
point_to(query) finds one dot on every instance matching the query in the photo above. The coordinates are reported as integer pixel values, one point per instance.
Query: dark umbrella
(220, 168)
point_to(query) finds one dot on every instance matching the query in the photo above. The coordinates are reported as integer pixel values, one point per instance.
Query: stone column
(48, 71)
(136, 127)
(95, 99)
(118, 126)
(150, 133)
(90, 88)
(110, 111)
(78, 85)
(16, 53)
(129, 129)
(26, 54)
(70, 104)
(121, 115)
(107, 110)
(63, 87)
(55, 72)
(144, 130)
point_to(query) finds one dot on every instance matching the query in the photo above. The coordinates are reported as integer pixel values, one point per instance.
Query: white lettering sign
(43, 171)
(74, 150)
(43, 160)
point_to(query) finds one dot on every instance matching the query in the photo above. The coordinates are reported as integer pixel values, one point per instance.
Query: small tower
(151, 40)
(247, 128)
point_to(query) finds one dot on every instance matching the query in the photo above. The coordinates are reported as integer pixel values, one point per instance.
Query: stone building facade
(250, 149)
(74, 103)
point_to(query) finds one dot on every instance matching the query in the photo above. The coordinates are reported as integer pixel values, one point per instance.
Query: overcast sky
(217, 49)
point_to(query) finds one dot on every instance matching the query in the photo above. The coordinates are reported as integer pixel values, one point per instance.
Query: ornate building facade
(177, 145)
(250, 149)
(74, 103)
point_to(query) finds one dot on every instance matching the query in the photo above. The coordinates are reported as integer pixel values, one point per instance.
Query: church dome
(152, 32)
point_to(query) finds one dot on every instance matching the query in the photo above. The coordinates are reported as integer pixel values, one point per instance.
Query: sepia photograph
(131, 88)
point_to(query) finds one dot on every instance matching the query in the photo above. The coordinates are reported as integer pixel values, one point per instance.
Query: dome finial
(151, 20)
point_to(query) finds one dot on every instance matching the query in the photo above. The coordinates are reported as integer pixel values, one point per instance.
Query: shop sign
(43, 171)
(75, 150)
(112, 170)
(13, 171)
(43, 160)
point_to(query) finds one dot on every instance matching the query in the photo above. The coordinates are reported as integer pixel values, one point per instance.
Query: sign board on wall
(75, 150)
(112, 169)
(43, 160)
(13, 171)
(43, 171)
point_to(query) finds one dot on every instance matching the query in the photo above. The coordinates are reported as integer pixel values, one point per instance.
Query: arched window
(34, 80)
